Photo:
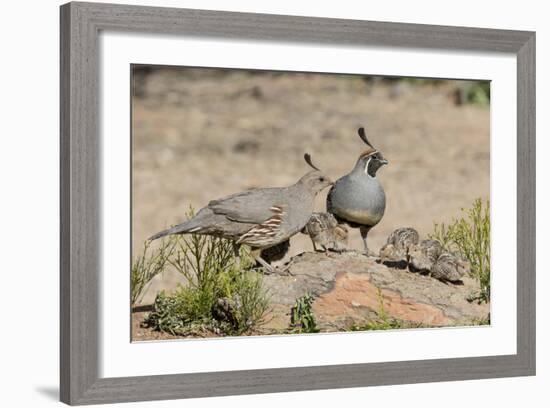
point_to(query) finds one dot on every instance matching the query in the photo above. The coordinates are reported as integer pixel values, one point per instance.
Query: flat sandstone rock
(349, 288)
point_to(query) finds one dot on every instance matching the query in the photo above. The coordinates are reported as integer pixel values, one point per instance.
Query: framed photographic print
(262, 203)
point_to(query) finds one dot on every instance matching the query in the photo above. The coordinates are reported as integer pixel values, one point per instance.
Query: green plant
(481, 321)
(302, 319)
(232, 304)
(470, 237)
(382, 321)
(148, 265)
(478, 93)
(220, 295)
(200, 258)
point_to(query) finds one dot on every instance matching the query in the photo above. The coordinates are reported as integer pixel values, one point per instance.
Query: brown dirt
(140, 333)
(202, 135)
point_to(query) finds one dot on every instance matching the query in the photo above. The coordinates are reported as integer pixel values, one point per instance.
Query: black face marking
(373, 163)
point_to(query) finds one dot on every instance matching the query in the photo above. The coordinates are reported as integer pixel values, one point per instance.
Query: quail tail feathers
(182, 228)
(199, 222)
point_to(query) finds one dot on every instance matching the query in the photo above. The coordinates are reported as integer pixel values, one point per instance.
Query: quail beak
(384, 161)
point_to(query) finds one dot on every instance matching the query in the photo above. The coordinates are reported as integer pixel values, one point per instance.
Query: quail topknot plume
(358, 198)
(260, 218)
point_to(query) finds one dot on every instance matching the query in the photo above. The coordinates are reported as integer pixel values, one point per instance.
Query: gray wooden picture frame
(80, 237)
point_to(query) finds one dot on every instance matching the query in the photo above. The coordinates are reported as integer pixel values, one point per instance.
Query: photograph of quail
(255, 242)
(358, 198)
(260, 218)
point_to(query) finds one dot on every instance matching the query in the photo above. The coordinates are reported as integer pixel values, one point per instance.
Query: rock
(349, 288)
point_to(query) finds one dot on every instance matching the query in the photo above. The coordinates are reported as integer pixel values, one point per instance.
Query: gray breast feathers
(357, 199)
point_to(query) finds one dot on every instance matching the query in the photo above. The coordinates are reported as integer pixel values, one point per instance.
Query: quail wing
(253, 206)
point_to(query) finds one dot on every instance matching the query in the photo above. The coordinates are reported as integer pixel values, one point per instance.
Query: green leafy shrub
(220, 295)
(148, 265)
(233, 305)
(479, 93)
(302, 319)
(470, 237)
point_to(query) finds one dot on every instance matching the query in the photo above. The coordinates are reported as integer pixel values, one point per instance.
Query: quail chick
(398, 244)
(324, 231)
(260, 218)
(403, 238)
(424, 255)
(449, 268)
(358, 198)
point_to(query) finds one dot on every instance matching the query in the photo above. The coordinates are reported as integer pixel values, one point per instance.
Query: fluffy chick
(324, 231)
(423, 256)
(398, 244)
(450, 268)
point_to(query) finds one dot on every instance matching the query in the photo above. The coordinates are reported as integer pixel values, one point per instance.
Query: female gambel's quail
(260, 218)
(358, 199)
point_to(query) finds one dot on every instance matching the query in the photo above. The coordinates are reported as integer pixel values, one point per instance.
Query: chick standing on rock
(424, 255)
(398, 244)
(358, 198)
(324, 230)
(429, 256)
(260, 218)
(449, 267)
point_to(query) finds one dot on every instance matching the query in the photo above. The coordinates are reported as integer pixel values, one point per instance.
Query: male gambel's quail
(260, 218)
(324, 230)
(357, 198)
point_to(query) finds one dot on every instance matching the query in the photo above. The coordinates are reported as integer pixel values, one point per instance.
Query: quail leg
(336, 247)
(314, 246)
(268, 268)
(364, 232)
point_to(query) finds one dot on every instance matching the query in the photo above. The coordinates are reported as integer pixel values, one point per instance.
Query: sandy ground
(203, 134)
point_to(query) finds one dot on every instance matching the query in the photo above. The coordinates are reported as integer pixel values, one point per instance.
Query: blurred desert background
(200, 134)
